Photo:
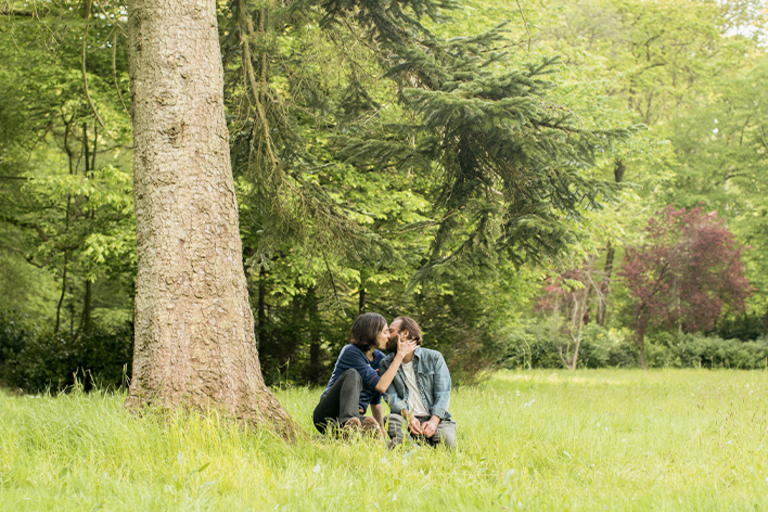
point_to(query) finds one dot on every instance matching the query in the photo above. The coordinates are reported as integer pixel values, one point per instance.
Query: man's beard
(391, 344)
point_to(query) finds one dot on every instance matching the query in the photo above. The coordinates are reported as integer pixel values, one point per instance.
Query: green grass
(590, 440)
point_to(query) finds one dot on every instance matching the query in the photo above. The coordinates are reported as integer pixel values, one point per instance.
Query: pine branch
(7, 11)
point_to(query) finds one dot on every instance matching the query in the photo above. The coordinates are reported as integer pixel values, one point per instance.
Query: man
(420, 392)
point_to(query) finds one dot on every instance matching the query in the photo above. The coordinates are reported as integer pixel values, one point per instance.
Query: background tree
(568, 294)
(67, 211)
(346, 122)
(371, 150)
(723, 162)
(685, 273)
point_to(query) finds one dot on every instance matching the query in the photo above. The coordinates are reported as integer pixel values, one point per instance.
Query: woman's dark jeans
(341, 402)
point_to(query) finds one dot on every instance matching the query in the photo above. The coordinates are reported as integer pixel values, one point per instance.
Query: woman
(355, 382)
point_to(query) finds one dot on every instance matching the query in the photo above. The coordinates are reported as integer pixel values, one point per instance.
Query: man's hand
(414, 426)
(430, 427)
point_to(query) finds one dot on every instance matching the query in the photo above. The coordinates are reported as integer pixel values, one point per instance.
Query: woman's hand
(405, 347)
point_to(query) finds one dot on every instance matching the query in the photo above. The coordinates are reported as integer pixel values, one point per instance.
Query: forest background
(339, 216)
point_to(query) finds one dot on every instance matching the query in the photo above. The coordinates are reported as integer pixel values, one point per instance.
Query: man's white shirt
(415, 403)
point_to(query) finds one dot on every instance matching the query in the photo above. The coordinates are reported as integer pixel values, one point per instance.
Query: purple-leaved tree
(686, 273)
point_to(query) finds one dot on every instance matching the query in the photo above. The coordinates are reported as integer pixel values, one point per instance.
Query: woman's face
(382, 338)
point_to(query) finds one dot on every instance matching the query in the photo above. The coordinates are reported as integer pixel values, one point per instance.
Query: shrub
(715, 352)
(535, 345)
(661, 356)
(596, 345)
(34, 361)
(744, 327)
(13, 338)
(623, 355)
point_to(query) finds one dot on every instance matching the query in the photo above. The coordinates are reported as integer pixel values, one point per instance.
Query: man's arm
(442, 389)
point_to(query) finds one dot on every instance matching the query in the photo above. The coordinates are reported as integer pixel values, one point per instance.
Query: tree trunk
(195, 343)
(641, 346)
(314, 369)
(63, 294)
(87, 305)
(605, 287)
(261, 325)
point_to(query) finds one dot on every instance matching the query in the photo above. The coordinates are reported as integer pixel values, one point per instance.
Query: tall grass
(590, 440)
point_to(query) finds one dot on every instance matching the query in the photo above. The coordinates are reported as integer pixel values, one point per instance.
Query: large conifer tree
(195, 343)
(510, 167)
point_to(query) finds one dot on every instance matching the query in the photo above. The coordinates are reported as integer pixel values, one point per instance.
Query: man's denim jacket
(433, 379)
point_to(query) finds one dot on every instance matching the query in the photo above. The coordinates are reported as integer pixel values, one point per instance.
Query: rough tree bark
(261, 324)
(195, 344)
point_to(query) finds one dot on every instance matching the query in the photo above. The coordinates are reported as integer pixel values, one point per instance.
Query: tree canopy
(437, 158)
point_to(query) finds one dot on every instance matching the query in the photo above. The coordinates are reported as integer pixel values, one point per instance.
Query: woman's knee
(352, 374)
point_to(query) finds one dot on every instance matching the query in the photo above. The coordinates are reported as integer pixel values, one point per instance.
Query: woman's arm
(377, 411)
(404, 348)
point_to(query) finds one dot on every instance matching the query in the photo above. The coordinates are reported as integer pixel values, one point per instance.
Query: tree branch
(85, 75)
(29, 259)
(7, 11)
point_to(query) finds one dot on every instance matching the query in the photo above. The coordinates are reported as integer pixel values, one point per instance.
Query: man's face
(394, 330)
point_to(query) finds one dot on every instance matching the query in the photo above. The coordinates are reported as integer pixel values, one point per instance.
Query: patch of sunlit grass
(589, 440)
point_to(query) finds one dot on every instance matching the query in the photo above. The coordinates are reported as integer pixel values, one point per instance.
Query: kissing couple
(414, 381)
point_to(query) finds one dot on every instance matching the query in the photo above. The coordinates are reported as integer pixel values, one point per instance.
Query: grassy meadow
(530, 440)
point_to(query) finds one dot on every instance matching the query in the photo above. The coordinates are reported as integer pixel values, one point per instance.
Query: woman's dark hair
(366, 329)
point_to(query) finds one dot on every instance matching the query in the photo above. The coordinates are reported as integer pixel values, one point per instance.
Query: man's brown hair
(410, 325)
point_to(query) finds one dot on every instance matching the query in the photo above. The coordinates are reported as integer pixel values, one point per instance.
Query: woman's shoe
(350, 428)
(372, 428)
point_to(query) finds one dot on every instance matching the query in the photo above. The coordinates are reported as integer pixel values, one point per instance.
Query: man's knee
(449, 440)
(394, 425)
(446, 435)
